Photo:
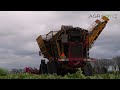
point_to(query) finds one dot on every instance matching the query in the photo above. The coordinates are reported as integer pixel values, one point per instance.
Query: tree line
(103, 65)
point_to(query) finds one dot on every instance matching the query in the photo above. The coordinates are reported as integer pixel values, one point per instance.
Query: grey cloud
(19, 30)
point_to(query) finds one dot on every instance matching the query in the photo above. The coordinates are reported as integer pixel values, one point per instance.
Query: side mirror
(40, 53)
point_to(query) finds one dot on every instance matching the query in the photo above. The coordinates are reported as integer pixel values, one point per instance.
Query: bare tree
(102, 65)
(117, 60)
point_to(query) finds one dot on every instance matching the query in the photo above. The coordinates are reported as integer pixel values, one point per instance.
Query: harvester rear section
(68, 49)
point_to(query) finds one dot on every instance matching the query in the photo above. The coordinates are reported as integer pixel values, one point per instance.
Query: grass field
(77, 75)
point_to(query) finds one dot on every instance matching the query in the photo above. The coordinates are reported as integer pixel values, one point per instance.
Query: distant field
(76, 75)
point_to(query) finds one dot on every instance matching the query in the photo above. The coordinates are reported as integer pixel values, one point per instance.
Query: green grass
(3, 72)
(77, 75)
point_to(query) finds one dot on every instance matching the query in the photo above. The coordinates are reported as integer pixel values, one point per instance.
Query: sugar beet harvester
(68, 49)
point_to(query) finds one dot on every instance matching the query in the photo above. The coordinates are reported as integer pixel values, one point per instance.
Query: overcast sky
(19, 30)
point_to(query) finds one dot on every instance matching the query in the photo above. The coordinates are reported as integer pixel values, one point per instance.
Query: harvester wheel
(103, 70)
(51, 67)
(88, 69)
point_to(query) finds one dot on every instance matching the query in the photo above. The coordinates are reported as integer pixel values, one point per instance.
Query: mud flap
(43, 67)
